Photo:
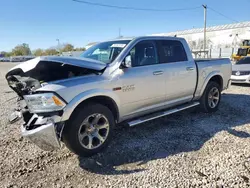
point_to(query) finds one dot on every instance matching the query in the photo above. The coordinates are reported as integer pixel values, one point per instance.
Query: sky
(40, 22)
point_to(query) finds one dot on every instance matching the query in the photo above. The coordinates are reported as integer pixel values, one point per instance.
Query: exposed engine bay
(26, 83)
(29, 76)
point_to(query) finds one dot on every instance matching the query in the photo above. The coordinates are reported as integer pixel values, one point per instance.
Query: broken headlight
(44, 102)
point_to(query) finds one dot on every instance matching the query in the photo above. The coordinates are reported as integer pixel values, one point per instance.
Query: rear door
(181, 76)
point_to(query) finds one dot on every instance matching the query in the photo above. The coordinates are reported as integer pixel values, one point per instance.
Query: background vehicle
(243, 51)
(241, 71)
(4, 59)
(80, 100)
(21, 58)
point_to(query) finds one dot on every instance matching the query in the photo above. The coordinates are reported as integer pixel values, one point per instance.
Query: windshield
(245, 60)
(242, 51)
(105, 51)
(246, 43)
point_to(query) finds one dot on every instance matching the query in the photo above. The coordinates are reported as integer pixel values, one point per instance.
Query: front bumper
(44, 134)
(240, 79)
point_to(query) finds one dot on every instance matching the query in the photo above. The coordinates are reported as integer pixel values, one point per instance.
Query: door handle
(158, 73)
(190, 68)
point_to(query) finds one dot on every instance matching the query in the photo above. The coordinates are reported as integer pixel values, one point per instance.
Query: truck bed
(209, 67)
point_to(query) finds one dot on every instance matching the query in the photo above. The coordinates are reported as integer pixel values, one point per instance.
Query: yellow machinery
(243, 51)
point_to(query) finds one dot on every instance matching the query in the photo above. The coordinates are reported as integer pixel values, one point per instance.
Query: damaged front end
(42, 111)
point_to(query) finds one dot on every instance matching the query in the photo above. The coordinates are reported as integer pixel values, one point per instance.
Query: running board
(161, 114)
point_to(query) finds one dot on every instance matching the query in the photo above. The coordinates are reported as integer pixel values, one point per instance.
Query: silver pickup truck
(78, 101)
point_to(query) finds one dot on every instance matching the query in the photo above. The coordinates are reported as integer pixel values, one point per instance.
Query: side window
(171, 51)
(144, 53)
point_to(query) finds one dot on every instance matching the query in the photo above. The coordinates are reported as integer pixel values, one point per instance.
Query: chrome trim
(168, 112)
(44, 137)
(190, 68)
(158, 73)
(117, 62)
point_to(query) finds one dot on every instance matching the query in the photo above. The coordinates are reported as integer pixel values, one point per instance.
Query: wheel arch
(107, 99)
(104, 100)
(214, 76)
(218, 79)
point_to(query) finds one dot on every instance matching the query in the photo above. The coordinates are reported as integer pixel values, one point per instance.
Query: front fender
(207, 79)
(68, 110)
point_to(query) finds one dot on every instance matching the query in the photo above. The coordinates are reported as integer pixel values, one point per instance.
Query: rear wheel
(210, 99)
(89, 129)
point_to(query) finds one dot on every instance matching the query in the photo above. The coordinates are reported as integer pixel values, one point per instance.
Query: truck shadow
(132, 148)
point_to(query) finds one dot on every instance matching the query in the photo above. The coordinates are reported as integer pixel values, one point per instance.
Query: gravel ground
(188, 149)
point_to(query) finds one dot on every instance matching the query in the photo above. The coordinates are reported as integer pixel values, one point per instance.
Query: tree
(67, 48)
(50, 51)
(38, 52)
(21, 50)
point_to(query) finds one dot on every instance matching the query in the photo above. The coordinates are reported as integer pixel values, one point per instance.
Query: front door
(143, 84)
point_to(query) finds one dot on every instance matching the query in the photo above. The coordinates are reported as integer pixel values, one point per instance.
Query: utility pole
(205, 28)
(58, 44)
(119, 34)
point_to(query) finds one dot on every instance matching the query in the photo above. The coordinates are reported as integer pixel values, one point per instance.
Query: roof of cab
(146, 37)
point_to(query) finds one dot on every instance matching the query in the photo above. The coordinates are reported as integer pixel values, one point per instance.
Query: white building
(221, 36)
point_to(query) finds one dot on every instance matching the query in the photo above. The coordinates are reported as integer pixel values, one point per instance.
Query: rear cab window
(170, 51)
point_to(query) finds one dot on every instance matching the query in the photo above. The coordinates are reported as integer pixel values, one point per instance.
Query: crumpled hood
(243, 67)
(79, 62)
(31, 75)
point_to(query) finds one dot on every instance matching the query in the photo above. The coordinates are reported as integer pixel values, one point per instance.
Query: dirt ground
(188, 149)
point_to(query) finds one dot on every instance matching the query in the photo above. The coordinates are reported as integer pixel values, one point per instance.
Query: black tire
(73, 126)
(204, 101)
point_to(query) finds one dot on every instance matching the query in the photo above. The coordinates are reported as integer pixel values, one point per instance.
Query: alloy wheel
(94, 131)
(213, 97)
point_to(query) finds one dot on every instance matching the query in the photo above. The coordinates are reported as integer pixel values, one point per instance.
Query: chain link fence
(214, 53)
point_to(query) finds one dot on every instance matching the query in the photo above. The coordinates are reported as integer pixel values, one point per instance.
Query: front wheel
(89, 130)
(210, 99)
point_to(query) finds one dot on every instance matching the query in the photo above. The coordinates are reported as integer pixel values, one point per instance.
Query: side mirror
(127, 62)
